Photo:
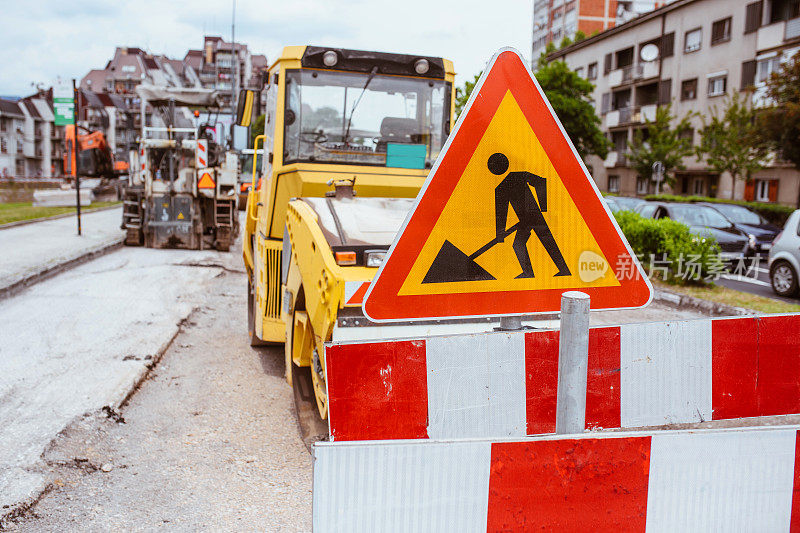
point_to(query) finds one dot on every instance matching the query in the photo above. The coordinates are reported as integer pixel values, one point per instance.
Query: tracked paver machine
(181, 191)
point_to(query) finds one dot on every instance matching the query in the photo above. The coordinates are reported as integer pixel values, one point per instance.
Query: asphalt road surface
(209, 441)
(754, 280)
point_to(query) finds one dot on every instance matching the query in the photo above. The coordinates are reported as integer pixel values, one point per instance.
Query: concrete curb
(47, 272)
(704, 306)
(56, 217)
(144, 372)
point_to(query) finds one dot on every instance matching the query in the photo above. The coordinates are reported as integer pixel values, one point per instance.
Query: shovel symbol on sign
(451, 264)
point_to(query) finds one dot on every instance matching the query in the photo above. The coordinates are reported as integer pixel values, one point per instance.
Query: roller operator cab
(349, 139)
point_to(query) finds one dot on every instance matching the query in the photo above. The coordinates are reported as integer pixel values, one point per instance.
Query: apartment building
(555, 19)
(12, 129)
(109, 100)
(701, 50)
(226, 67)
(30, 143)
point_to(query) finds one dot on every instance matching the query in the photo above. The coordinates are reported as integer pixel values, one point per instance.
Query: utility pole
(235, 54)
(76, 149)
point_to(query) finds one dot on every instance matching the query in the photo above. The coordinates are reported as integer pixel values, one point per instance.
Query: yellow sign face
(550, 230)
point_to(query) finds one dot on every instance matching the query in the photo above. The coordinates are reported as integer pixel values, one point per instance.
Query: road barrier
(701, 480)
(498, 385)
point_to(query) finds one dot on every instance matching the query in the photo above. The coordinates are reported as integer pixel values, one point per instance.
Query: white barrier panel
(721, 480)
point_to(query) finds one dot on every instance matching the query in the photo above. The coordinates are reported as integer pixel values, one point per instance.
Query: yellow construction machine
(349, 139)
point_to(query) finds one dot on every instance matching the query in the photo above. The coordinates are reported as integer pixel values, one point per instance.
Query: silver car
(784, 257)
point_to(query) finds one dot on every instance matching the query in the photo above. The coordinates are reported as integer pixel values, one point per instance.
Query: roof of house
(43, 106)
(32, 111)
(9, 107)
(95, 79)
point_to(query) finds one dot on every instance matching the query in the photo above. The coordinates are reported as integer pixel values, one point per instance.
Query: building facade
(226, 67)
(109, 100)
(555, 19)
(702, 50)
(30, 143)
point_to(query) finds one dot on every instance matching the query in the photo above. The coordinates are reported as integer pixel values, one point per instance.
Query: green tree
(570, 96)
(579, 36)
(462, 93)
(659, 141)
(256, 128)
(731, 141)
(780, 124)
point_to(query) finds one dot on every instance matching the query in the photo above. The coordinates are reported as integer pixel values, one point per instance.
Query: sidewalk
(33, 251)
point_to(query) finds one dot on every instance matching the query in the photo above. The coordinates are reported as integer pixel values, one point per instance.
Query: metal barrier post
(573, 363)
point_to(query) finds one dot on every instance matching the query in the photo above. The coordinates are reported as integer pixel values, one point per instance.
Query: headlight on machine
(374, 258)
(751, 240)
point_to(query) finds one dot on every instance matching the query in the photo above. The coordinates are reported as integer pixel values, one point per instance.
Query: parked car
(702, 220)
(627, 203)
(760, 232)
(784, 258)
(647, 209)
(612, 204)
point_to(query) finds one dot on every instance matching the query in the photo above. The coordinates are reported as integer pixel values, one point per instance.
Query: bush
(670, 250)
(775, 213)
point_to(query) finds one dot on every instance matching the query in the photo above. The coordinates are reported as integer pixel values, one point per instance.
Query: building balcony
(770, 36)
(615, 159)
(630, 115)
(633, 73)
(774, 35)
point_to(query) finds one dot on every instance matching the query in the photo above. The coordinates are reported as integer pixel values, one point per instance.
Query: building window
(752, 17)
(579, 71)
(613, 184)
(717, 85)
(591, 71)
(3, 146)
(641, 185)
(721, 31)
(625, 57)
(766, 67)
(688, 134)
(570, 17)
(766, 191)
(693, 40)
(689, 89)
(699, 187)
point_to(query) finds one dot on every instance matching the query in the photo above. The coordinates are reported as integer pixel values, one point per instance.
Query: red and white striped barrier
(201, 154)
(712, 480)
(497, 385)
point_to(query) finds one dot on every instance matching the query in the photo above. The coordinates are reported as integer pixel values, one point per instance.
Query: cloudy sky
(48, 38)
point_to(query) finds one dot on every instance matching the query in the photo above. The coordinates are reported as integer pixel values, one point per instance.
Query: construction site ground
(208, 440)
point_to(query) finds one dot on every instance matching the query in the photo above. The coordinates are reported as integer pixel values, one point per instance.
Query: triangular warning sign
(507, 220)
(206, 181)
